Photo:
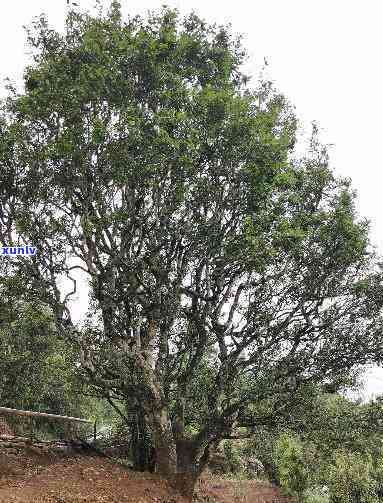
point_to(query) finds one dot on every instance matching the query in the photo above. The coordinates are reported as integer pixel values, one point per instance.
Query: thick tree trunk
(188, 470)
(192, 458)
(141, 442)
(179, 460)
(176, 460)
(185, 483)
(166, 454)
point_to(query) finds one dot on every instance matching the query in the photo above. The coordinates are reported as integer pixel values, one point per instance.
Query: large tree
(219, 264)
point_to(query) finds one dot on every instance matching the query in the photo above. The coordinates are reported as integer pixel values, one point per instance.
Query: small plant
(378, 477)
(316, 495)
(232, 457)
(292, 472)
(351, 479)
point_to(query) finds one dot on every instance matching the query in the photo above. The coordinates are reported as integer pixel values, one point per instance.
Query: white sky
(325, 56)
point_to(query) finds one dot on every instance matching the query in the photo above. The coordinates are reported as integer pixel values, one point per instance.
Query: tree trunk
(141, 442)
(166, 454)
(175, 460)
(188, 470)
(180, 461)
(185, 483)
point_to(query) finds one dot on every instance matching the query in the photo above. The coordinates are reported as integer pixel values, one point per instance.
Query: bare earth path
(36, 479)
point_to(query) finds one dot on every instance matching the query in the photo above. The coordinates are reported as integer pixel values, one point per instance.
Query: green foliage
(326, 423)
(262, 446)
(316, 495)
(292, 471)
(232, 456)
(350, 479)
(378, 473)
(29, 358)
(37, 367)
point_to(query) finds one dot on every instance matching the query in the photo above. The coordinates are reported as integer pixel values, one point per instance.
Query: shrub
(292, 473)
(262, 448)
(378, 477)
(232, 457)
(350, 479)
(316, 495)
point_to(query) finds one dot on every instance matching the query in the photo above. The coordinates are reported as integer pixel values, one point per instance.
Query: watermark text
(17, 250)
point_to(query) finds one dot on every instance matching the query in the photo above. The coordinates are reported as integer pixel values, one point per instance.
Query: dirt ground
(85, 479)
(5, 429)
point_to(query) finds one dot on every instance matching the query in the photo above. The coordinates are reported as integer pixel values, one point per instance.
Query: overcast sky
(324, 56)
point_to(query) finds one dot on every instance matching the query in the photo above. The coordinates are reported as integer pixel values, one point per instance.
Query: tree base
(184, 483)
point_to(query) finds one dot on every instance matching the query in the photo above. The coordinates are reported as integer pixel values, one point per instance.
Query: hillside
(30, 476)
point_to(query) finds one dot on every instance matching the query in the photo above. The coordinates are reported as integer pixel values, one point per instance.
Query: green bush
(378, 477)
(316, 495)
(350, 479)
(291, 468)
(232, 456)
(262, 447)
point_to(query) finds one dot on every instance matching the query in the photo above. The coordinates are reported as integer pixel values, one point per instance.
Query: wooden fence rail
(16, 412)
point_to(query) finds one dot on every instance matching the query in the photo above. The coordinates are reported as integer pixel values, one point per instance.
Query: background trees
(36, 367)
(223, 271)
(329, 449)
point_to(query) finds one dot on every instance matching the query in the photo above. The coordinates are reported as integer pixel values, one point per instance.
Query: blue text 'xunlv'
(18, 250)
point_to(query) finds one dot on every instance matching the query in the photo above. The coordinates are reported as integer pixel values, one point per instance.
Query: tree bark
(176, 460)
(188, 470)
(184, 483)
(166, 454)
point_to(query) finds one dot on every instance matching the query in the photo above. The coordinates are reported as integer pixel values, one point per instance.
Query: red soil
(45, 479)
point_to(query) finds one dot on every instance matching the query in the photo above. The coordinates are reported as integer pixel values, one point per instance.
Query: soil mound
(5, 429)
(36, 478)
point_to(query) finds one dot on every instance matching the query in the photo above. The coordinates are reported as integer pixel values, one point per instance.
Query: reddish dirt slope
(36, 479)
(5, 429)
(235, 491)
